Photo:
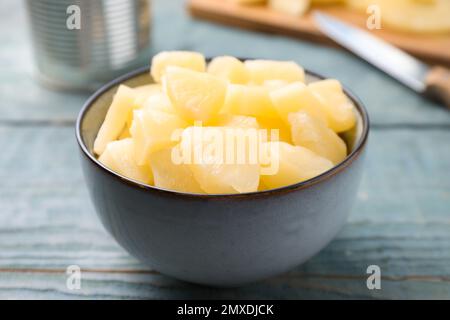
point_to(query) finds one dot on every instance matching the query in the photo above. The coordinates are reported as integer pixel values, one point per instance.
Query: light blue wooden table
(401, 221)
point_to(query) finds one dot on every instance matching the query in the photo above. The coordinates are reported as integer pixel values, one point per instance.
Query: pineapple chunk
(119, 157)
(311, 133)
(206, 149)
(195, 95)
(295, 97)
(291, 7)
(247, 100)
(186, 59)
(115, 119)
(283, 130)
(144, 92)
(337, 106)
(139, 95)
(228, 68)
(157, 100)
(275, 84)
(152, 130)
(160, 102)
(229, 120)
(170, 175)
(262, 70)
(294, 164)
(125, 134)
(261, 186)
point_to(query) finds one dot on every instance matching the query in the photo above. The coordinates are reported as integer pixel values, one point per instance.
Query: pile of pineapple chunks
(137, 141)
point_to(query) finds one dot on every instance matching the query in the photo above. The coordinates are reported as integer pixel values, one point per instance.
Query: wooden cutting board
(431, 48)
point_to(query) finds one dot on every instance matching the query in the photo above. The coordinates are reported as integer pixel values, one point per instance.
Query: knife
(433, 82)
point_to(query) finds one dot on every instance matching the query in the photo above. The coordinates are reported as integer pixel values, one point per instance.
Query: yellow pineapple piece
(144, 92)
(295, 97)
(292, 7)
(283, 130)
(125, 134)
(157, 100)
(272, 85)
(294, 164)
(339, 109)
(228, 68)
(262, 70)
(230, 120)
(129, 120)
(170, 175)
(249, 100)
(262, 186)
(161, 102)
(119, 157)
(115, 119)
(152, 129)
(206, 150)
(311, 133)
(185, 59)
(195, 95)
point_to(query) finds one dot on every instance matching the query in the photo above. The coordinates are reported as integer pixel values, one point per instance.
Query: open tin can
(81, 44)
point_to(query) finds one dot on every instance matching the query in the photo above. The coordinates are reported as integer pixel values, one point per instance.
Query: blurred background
(401, 221)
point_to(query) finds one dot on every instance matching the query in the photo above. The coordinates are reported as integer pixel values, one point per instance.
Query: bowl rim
(357, 150)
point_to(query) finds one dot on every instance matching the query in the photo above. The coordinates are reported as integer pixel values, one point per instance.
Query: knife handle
(438, 84)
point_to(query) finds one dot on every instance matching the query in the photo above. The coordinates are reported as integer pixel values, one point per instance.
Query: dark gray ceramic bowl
(219, 240)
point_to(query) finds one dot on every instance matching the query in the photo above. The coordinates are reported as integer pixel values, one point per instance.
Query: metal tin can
(81, 44)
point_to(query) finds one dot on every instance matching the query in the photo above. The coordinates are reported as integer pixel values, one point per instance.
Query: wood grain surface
(401, 219)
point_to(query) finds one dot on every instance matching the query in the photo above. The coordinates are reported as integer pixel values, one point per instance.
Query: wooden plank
(23, 100)
(400, 222)
(434, 48)
(146, 286)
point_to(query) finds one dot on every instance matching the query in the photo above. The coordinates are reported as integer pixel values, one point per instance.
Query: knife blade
(430, 81)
